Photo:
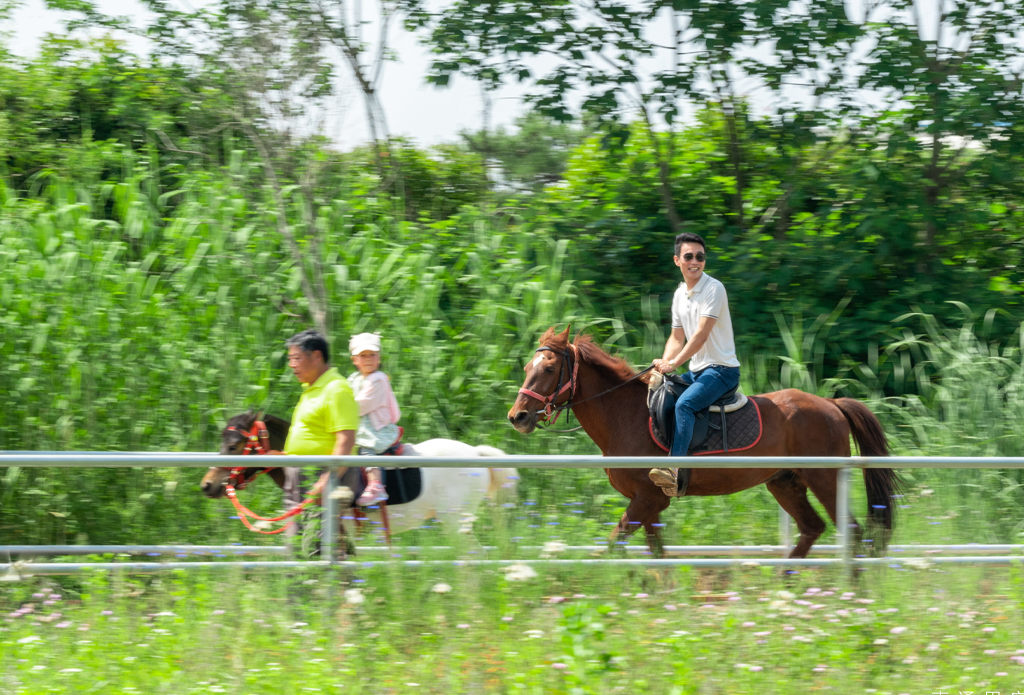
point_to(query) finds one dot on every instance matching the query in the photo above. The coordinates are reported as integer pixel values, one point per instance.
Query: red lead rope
(258, 441)
(245, 514)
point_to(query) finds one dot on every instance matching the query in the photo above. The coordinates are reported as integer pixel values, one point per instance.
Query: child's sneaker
(373, 494)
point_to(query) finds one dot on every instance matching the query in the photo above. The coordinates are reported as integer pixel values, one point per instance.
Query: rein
(258, 441)
(549, 401)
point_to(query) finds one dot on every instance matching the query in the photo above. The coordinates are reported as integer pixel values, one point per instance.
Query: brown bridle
(549, 401)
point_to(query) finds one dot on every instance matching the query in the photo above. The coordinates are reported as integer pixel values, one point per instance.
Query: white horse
(447, 494)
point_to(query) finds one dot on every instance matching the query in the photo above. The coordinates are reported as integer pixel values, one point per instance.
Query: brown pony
(794, 424)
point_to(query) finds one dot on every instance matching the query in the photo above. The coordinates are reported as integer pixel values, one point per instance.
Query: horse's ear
(565, 333)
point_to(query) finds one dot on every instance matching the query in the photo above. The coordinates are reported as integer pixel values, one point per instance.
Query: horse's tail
(881, 483)
(503, 480)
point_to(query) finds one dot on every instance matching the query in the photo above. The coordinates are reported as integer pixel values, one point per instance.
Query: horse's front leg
(644, 509)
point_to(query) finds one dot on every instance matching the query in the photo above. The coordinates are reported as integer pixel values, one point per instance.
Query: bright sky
(427, 114)
(413, 108)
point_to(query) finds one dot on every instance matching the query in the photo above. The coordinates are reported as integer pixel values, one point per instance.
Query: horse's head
(215, 482)
(550, 381)
(234, 440)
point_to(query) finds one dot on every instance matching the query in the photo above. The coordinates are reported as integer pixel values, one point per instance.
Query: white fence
(738, 555)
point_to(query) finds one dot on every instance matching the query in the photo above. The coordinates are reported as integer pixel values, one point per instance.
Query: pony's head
(233, 440)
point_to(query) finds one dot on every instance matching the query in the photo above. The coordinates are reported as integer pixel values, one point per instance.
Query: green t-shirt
(325, 407)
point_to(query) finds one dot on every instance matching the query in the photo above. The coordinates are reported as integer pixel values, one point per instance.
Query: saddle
(402, 484)
(662, 405)
(711, 427)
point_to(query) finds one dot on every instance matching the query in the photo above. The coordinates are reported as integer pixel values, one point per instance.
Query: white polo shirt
(708, 298)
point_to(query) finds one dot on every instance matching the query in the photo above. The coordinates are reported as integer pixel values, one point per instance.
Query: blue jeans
(707, 386)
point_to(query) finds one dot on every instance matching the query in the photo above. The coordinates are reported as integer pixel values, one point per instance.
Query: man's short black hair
(310, 341)
(689, 238)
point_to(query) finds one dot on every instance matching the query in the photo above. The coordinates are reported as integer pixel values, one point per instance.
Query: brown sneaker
(665, 478)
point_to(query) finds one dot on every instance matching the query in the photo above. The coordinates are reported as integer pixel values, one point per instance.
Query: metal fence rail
(93, 459)
(140, 459)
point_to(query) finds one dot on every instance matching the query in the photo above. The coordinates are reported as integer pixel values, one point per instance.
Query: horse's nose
(519, 418)
(205, 487)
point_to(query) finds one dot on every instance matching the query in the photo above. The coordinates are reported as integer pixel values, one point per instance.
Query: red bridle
(549, 401)
(258, 441)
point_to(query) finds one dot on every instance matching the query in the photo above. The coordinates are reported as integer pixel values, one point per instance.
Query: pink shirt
(376, 399)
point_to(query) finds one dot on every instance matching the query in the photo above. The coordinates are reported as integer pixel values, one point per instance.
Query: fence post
(328, 519)
(785, 532)
(843, 519)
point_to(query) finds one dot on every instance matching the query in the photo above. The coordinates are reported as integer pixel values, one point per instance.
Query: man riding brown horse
(702, 336)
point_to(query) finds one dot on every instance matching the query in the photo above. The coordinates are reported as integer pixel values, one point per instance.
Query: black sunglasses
(699, 256)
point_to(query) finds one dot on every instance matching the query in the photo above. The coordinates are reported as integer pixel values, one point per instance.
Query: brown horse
(794, 424)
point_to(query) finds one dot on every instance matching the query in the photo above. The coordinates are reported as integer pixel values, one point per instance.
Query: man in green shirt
(327, 417)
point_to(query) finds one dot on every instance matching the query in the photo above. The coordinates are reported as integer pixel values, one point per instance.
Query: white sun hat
(364, 341)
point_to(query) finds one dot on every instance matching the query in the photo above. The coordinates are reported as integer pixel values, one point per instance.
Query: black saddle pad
(402, 484)
(707, 426)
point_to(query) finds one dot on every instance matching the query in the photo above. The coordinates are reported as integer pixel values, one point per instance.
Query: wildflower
(441, 588)
(749, 624)
(519, 573)
(462, 626)
(881, 641)
(818, 669)
(897, 631)
(756, 668)
(63, 624)
(641, 595)
(932, 647)
(106, 612)
(989, 652)
(556, 599)
(534, 633)
(1002, 673)
(785, 595)
(988, 629)
(506, 619)
(813, 590)
(552, 548)
(741, 665)
(764, 633)
(354, 596)
(670, 607)
(29, 639)
(218, 612)
(558, 665)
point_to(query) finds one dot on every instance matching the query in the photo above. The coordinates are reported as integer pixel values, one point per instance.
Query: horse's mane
(590, 353)
(243, 421)
(247, 419)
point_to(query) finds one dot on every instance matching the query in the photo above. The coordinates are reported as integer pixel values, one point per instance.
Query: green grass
(568, 630)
